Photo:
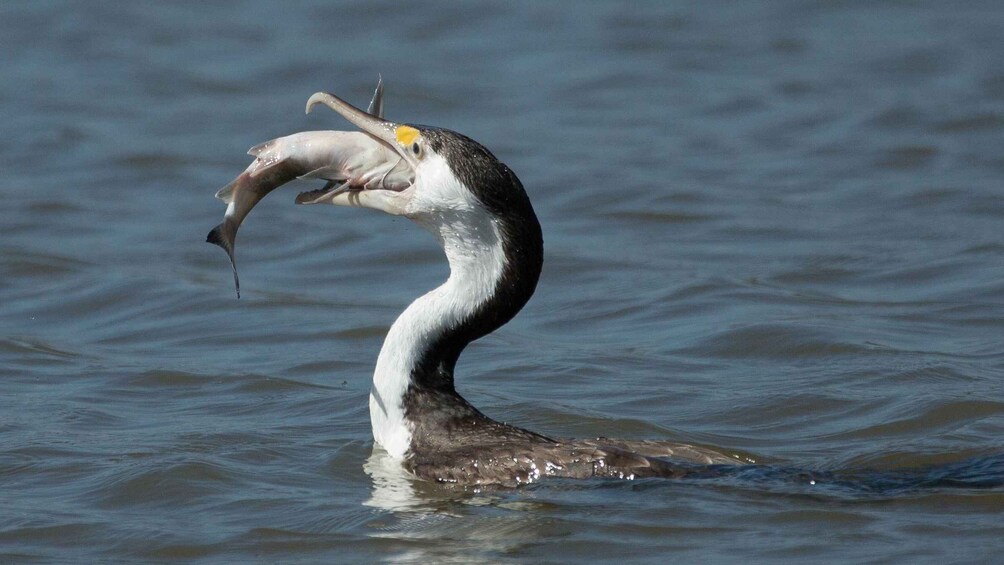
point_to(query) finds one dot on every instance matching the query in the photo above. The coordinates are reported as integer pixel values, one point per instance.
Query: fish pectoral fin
(324, 194)
(226, 193)
(257, 149)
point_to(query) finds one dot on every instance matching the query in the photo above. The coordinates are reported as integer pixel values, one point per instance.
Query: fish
(347, 160)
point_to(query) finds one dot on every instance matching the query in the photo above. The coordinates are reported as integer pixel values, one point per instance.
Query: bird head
(439, 176)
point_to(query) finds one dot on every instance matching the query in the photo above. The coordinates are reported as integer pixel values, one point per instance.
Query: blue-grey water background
(770, 227)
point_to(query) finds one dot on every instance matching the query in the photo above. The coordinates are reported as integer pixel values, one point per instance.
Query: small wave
(973, 474)
(776, 341)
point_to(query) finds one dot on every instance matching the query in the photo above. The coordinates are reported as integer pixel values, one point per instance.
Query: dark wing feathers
(512, 463)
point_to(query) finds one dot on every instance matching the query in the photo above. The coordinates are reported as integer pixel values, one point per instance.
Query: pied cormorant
(477, 209)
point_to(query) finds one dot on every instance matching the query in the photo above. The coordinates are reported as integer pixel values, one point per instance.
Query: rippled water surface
(770, 227)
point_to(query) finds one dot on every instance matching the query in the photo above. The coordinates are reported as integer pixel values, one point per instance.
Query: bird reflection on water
(478, 523)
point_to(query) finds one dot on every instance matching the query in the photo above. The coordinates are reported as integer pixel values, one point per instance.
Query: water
(770, 227)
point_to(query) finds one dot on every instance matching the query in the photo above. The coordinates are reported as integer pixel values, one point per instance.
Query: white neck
(473, 246)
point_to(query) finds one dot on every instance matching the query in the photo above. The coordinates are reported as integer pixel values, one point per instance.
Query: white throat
(473, 245)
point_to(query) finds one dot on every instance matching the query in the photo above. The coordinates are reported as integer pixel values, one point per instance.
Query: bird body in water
(477, 209)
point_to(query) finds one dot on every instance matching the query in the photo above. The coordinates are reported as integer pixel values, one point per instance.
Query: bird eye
(415, 148)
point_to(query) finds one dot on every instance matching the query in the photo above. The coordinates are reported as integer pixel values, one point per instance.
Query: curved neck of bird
(495, 262)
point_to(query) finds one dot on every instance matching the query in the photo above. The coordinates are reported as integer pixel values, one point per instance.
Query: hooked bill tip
(314, 99)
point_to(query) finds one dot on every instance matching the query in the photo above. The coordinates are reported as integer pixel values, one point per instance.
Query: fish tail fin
(219, 236)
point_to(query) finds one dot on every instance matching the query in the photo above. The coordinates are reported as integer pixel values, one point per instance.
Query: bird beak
(390, 134)
(391, 192)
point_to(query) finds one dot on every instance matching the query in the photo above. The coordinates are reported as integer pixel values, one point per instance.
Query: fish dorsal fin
(376, 104)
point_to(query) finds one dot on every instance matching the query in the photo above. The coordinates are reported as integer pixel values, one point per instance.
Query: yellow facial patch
(406, 135)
